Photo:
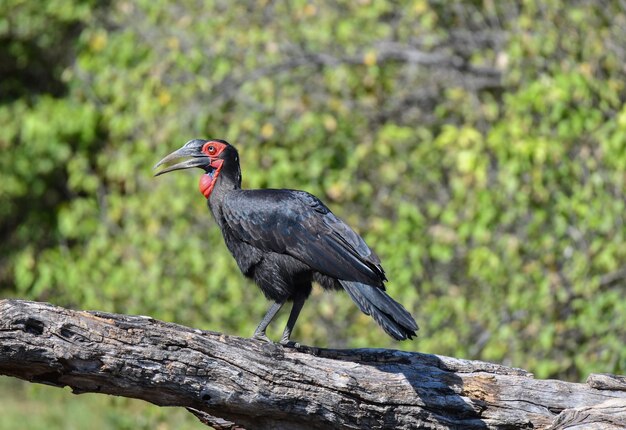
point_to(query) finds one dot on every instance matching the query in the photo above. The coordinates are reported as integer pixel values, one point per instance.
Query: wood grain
(232, 383)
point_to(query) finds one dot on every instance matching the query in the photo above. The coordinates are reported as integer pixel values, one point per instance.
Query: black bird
(286, 239)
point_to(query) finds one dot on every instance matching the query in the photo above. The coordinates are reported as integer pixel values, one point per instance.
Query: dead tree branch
(230, 382)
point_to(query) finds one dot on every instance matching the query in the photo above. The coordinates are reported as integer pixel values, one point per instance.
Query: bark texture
(230, 382)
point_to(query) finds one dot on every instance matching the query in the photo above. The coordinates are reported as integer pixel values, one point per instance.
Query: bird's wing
(300, 225)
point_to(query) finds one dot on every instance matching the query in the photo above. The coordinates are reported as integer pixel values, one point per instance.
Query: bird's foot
(289, 343)
(262, 337)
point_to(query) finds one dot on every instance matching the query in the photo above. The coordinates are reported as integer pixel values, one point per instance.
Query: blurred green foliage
(479, 147)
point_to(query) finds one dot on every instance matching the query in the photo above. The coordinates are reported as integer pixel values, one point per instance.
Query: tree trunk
(230, 382)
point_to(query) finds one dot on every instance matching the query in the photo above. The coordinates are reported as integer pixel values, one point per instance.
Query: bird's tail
(389, 314)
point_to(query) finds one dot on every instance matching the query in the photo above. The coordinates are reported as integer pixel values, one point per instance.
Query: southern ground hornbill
(286, 239)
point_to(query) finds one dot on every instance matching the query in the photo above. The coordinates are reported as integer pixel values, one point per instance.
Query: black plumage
(286, 239)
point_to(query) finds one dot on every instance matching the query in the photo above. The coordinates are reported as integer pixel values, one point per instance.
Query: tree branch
(384, 52)
(230, 382)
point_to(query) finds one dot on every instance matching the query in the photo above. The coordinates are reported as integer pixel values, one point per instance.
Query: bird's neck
(225, 182)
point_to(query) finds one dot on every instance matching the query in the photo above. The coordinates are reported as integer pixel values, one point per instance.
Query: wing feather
(300, 225)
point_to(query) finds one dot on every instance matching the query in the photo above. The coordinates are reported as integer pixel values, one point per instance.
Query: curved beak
(192, 159)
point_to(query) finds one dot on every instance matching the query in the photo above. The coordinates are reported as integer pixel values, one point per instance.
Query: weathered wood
(604, 381)
(231, 382)
(608, 415)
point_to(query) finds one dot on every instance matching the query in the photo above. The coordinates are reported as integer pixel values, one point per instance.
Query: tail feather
(389, 314)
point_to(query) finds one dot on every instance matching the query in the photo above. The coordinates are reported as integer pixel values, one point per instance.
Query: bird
(287, 239)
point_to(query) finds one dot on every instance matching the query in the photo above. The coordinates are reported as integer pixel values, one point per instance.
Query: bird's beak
(193, 159)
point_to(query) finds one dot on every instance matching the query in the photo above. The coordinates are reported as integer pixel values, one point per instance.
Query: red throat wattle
(208, 180)
(206, 185)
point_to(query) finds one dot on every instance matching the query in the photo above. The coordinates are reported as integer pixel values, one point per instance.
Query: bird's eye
(209, 149)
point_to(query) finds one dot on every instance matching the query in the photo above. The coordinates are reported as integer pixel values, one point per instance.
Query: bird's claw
(262, 337)
(289, 343)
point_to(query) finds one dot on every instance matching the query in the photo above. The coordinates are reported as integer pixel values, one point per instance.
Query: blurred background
(478, 146)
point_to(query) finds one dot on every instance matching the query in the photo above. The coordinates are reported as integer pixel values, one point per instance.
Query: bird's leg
(259, 333)
(293, 316)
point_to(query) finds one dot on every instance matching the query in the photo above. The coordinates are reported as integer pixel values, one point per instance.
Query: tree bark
(230, 382)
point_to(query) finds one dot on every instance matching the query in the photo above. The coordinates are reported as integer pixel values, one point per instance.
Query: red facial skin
(213, 149)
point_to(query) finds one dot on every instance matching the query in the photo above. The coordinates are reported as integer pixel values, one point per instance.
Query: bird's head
(210, 155)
